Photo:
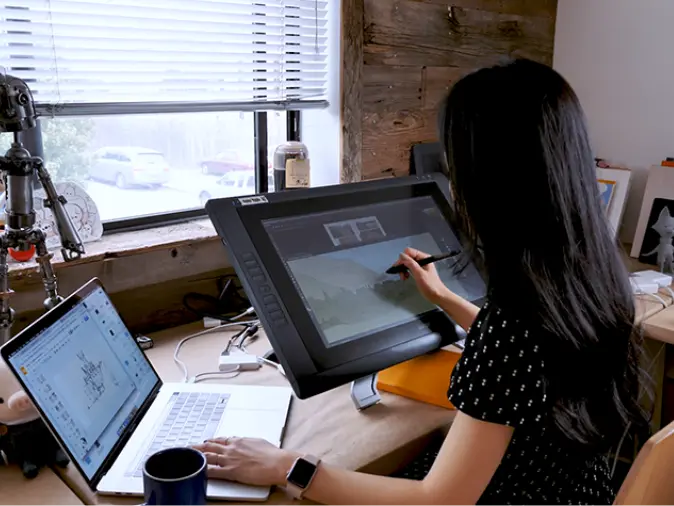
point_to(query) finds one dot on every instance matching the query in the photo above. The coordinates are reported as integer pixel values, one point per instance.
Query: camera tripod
(19, 170)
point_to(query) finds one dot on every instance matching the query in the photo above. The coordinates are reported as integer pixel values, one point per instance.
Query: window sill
(125, 244)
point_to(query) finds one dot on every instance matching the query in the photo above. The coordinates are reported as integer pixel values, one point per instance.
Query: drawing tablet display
(340, 272)
(313, 264)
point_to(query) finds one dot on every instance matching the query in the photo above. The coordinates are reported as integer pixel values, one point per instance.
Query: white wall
(321, 127)
(619, 57)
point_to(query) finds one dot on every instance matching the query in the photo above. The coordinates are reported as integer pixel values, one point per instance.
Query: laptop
(106, 405)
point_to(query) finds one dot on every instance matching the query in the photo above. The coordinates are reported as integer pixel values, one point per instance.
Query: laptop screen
(88, 376)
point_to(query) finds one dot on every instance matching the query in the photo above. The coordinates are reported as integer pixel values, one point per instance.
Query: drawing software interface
(88, 376)
(338, 263)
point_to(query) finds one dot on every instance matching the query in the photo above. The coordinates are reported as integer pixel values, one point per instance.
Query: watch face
(301, 473)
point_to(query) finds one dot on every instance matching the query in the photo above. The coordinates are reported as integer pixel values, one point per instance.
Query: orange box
(424, 378)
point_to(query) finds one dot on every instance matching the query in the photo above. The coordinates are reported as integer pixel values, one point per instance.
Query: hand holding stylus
(425, 276)
(429, 259)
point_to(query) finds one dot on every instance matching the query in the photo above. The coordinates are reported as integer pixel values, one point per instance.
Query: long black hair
(525, 189)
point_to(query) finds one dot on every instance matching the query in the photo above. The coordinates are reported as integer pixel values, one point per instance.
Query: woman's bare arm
(466, 463)
(459, 309)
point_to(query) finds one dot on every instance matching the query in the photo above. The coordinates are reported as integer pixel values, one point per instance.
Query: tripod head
(17, 108)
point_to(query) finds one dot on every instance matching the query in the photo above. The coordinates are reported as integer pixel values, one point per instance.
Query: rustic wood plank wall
(147, 288)
(351, 90)
(412, 52)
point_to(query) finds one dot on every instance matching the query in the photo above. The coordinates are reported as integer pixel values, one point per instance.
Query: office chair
(649, 480)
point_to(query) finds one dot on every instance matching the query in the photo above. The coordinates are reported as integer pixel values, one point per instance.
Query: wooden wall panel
(147, 309)
(387, 139)
(437, 81)
(392, 105)
(413, 50)
(385, 88)
(351, 89)
(147, 288)
(535, 8)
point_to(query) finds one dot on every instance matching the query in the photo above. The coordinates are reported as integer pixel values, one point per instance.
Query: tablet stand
(364, 392)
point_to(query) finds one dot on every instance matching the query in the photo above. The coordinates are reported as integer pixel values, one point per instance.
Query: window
(149, 104)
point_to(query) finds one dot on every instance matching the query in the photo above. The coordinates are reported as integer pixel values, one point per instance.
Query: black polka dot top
(500, 378)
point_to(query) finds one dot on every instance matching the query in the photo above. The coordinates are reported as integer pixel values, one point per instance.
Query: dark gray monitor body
(312, 364)
(427, 158)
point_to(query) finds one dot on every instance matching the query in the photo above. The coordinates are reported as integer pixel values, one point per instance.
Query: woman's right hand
(428, 282)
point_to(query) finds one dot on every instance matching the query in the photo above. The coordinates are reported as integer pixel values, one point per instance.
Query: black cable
(226, 283)
(249, 334)
(229, 303)
(202, 313)
(232, 341)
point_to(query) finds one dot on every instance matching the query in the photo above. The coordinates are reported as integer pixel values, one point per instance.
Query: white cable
(232, 373)
(267, 361)
(176, 352)
(669, 290)
(214, 322)
(655, 296)
(620, 444)
(248, 311)
(276, 366)
(657, 355)
(629, 424)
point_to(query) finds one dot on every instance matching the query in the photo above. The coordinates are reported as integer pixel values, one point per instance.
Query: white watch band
(295, 491)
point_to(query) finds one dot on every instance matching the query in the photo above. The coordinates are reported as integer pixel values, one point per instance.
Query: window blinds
(117, 56)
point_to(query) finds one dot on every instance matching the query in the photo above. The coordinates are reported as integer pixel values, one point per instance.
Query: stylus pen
(400, 268)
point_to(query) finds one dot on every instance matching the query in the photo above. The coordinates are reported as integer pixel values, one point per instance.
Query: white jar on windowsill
(292, 169)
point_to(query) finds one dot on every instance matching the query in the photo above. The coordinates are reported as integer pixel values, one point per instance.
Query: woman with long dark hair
(549, 380)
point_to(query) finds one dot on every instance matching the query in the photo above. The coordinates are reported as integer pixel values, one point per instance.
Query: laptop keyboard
(192, 418)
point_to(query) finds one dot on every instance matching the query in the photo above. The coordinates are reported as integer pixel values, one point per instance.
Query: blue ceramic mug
(175, 476)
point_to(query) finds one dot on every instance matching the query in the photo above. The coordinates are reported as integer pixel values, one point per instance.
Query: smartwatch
(301, 475)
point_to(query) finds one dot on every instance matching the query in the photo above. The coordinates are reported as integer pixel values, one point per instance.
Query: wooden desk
(646, 306)
(377, 440)
(47, 488)
(661, 326)
(658, 325)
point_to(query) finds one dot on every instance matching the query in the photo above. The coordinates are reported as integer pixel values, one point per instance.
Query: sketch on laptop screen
(88, 376)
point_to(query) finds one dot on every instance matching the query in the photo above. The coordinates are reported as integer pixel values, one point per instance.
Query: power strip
(239, 362)
(640, 286)
(659, 278)
(645, 287)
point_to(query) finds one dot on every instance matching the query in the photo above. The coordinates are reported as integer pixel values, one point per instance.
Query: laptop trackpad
(218, 489)
(261, 424)
(246, 423)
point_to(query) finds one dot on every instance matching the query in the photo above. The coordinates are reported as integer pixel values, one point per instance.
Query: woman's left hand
(246, 460)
